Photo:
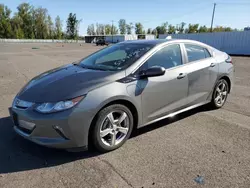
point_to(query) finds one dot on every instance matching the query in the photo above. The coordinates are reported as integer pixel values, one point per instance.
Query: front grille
(15, 120)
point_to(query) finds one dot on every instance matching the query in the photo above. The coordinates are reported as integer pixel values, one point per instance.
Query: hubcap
(114, 128)
(220, 94)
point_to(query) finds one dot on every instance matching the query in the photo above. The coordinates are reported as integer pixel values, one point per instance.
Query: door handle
(181, 75)
(212, 64)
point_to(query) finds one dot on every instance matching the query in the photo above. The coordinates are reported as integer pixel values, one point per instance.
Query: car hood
(64, 83)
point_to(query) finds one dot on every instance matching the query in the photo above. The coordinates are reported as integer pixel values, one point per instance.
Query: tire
(104, 123)
(215, 103)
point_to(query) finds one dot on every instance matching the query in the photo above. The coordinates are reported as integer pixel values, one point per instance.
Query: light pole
(211, 29)
(112, 30)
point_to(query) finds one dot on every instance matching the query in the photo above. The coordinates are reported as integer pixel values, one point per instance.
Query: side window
(195, 52)
(207, 54)
(167, 57)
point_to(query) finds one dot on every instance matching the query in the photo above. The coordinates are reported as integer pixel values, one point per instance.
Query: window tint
(167, 57)
(116, 55)
(195, 53)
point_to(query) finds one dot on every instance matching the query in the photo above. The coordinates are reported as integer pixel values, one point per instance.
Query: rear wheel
(220, 94)
(112, 127)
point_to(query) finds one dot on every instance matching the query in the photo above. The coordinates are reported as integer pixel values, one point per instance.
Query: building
(116, 38)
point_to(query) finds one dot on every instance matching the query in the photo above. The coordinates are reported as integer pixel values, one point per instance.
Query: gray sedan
(100, 99)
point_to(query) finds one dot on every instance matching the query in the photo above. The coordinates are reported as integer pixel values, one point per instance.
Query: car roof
(143, 41)
(156, 42)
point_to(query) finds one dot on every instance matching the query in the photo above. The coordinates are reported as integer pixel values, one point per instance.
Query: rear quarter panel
(225, 68)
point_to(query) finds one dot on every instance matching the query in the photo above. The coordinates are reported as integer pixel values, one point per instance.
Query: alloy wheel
(114, 128)
(220, 94)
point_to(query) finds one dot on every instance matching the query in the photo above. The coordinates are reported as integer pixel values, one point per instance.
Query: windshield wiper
(92, 68)
(77, 64)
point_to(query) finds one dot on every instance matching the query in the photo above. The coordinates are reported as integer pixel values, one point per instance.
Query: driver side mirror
(152, 72)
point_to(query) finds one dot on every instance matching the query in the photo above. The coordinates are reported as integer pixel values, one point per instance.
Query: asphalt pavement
(199, 148)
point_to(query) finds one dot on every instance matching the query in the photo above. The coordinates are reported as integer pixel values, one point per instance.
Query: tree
(5, 22)
(122, 26)
(129, 28)
(154, 32)
(192, 28)
(180, 27)
(162, 29)
(72, 26)
(138, 28)
(25, 14)
(16, 28)
(58, 28)
(203, 29)
(108, 29)
(50, 28)
(171, 29)
(100, 29)
(149, 31)
(91, 29)
(114, 30)
(41, 26)
(222, 29)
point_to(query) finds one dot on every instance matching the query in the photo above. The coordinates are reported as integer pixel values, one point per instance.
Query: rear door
(202, 71)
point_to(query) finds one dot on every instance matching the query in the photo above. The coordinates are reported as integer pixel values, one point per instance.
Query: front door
(162, 95)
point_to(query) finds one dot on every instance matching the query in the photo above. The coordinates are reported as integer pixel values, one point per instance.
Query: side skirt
(177, 112)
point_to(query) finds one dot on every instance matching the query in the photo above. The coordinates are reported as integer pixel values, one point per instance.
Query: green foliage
(154, 32)
(29, 23)
(91, 29)
(100, 29)
(35, 23)
(50, 28)
(162, 29)
(114, 30)
(192, 28)
(58, 28)
(180, 27)
(129, 28)
(222, 29)
(5, 23)
(138, 28)
(149, 31)
(24, 12)
(203, 29)
(72, 26)
(108, 28)
(171, 29)
(122, 26)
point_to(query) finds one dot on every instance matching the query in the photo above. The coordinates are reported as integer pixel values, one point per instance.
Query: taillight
(229, 60)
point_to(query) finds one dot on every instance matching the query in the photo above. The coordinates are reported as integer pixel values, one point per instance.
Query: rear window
(196, 53)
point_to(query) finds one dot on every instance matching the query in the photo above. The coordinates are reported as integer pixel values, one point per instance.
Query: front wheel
(112, 127)
(220, 94)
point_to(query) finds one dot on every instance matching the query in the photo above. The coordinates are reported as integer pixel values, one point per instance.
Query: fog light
(27, 125)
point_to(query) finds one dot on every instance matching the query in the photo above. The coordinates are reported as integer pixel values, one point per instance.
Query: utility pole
(211, 29)
(112, 30)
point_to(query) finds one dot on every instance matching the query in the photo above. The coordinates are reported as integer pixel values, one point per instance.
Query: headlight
(59, 106)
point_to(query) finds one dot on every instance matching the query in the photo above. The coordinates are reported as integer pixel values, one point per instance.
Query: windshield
(116, 57)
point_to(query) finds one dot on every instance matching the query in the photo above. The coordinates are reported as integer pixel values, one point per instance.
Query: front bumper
(63, 130)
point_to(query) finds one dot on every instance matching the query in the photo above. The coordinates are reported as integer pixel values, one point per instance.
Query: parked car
(101, 42)
(102, 98)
